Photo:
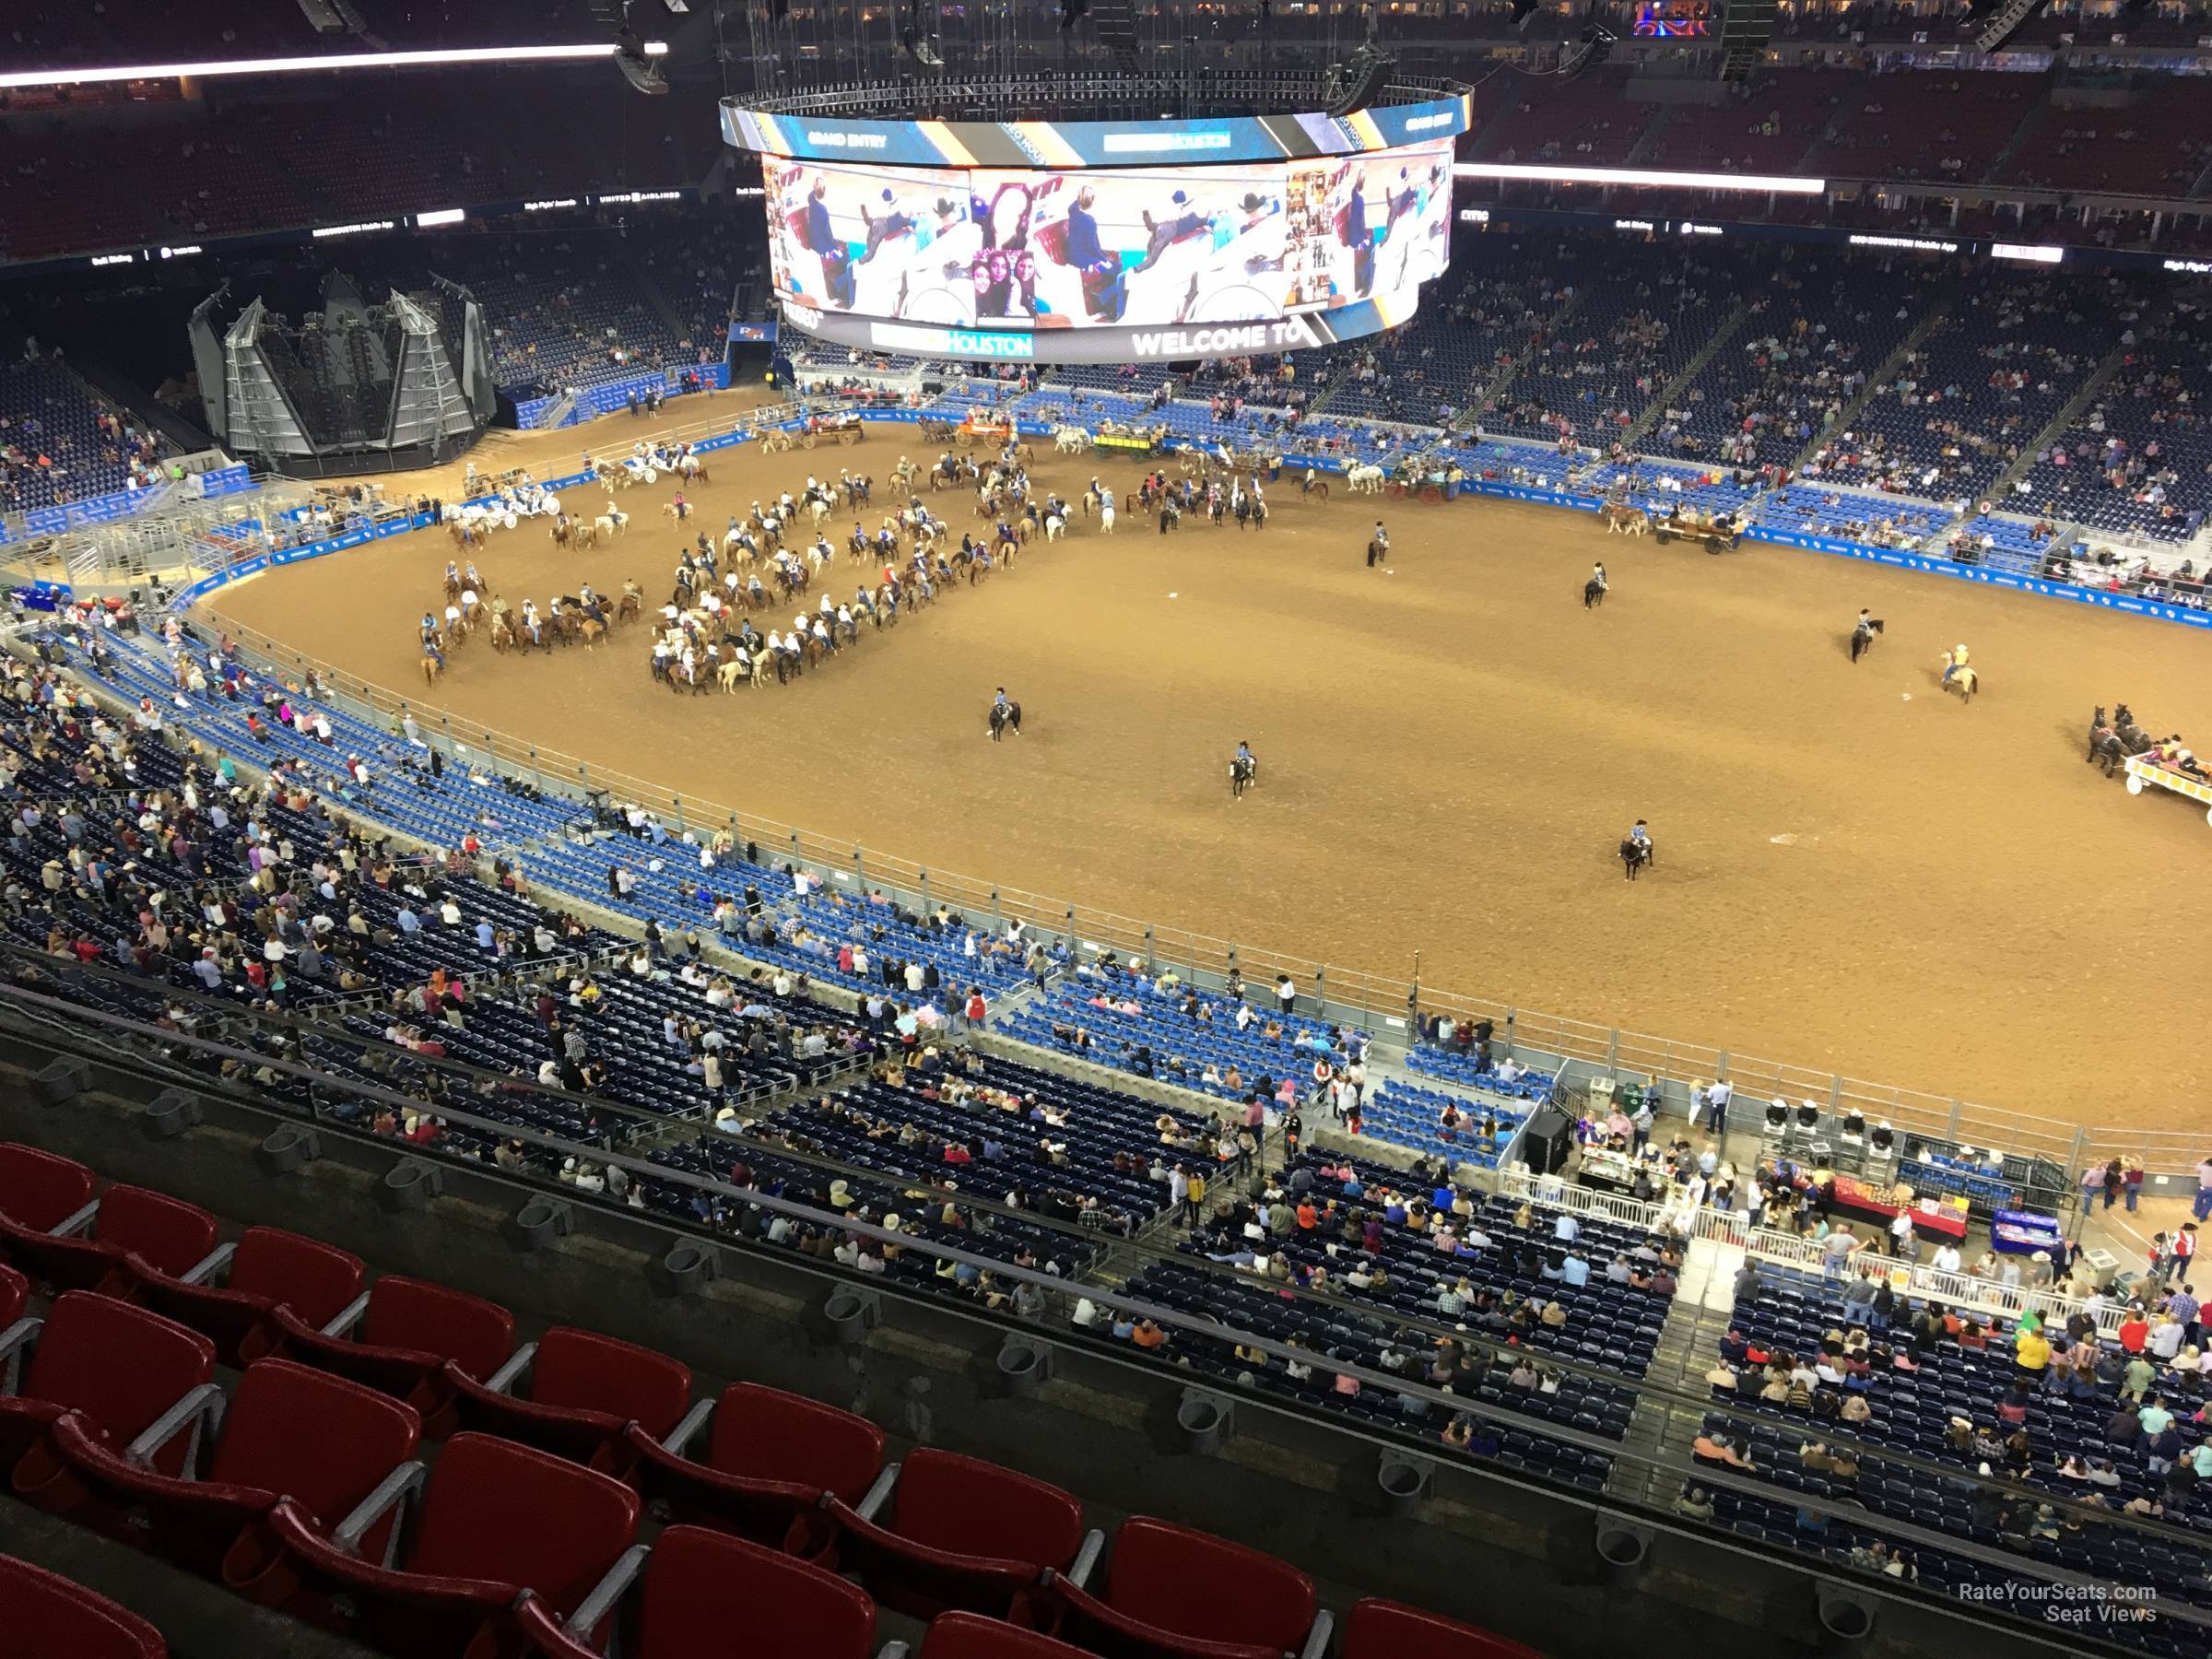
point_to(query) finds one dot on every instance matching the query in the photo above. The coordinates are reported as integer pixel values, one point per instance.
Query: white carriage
(2146, 773)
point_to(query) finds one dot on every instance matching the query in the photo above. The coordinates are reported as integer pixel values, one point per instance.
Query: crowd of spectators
(61, 441)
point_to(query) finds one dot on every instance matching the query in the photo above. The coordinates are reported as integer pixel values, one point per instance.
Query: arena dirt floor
(1854, 871)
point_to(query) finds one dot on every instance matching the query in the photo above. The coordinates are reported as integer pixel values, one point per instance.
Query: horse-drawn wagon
(2144, 772)
(981, 430)
(1715, 532)
(1141, 442)
(842, 427)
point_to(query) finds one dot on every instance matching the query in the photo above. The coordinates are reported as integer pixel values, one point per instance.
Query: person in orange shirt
(1147, 1336)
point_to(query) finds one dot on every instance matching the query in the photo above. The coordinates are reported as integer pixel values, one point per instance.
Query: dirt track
(1854, 870)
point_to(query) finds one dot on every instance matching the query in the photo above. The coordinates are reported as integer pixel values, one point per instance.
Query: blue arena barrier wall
(225, 481)
(2134, 604)
(123, 504)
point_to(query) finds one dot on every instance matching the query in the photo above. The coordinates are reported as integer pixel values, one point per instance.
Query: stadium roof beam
(2008, 21)
(1746, 26)
(112, 74)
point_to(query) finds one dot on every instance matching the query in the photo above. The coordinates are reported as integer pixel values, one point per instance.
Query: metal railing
(1965, 1291)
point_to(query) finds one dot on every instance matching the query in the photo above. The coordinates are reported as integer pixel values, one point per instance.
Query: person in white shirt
(1947, 1258)
(1902, 1244)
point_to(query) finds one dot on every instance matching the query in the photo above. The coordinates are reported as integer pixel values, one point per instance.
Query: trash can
(1022, 1366)
(1403, 1484)
(1846, 1619)
(849, 1314)
(1623, 1548)
(1204, 1421)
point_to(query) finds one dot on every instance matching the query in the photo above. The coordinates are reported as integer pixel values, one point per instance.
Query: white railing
(1961, 1291)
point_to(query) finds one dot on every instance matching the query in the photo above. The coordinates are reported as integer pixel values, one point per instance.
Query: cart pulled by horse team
(840, 428)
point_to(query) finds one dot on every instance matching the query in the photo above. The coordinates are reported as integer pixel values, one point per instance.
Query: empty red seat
(1175, 1593)
(49, 1618)
(38, 1192)
(497, 1519)
(771, 1458)
(291, 1432)
(1385, 1630)
(15, 1295)
(409, 1332)
(971, 1636)
(167, 1233)
(960, 1534)
(121, 1366)
(584, 1389)
(708, 1595)
(266, 1268)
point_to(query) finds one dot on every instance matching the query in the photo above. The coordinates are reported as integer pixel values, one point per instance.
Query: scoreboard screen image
(1058, 253)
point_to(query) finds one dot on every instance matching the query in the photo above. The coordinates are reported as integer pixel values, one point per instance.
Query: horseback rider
(1642, 836)
(1244, 760)
(1953, 660)
(1597, 574)
(1861, 634)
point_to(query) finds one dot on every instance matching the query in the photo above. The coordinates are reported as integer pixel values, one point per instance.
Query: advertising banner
(1092, 144)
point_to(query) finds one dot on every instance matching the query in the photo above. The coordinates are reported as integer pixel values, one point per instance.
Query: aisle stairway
(1688, 1341)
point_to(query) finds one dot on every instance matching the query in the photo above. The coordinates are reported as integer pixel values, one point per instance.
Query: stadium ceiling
(113, 73)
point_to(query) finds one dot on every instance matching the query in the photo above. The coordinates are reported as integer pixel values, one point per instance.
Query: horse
(561, 530)
(1621, 520)
(2105, 744)
(1964, 680)
(1071, 441)
(1365, 478)
(1005, 717)
(433, 666)
(1634, 855)
(775, 443)
(1313, 484)
(1106, 515)
(1242, 773)
(1593, 593)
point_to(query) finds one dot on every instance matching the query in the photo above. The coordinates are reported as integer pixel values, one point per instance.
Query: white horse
(1071, 440)
(1365, 479)
(1106, 515)
(1055, 526)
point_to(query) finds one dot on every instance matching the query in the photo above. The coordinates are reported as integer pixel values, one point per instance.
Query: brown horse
(431, 668)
